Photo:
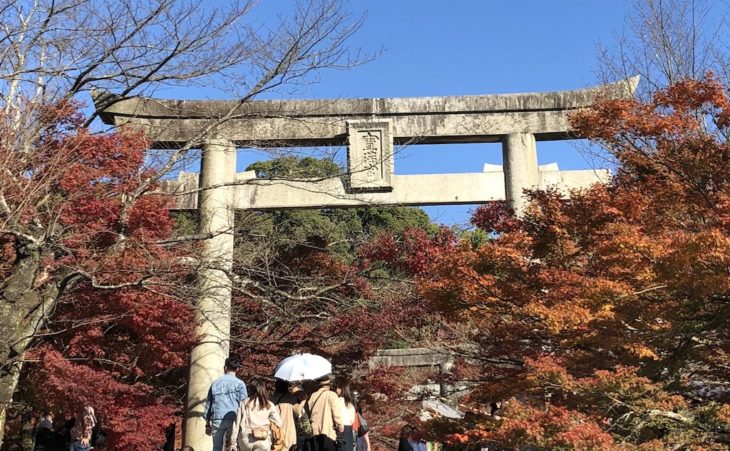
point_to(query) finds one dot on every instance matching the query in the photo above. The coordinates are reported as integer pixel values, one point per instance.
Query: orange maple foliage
(603, 318)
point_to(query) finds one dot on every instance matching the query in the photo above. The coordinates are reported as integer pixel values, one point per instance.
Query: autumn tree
(103, 316)
(73, 203)
(602, 319)
(302, 281)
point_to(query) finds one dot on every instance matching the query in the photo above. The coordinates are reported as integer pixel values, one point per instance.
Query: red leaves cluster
(495, 217)
(122, 328)
(136, 414)
(412, 253)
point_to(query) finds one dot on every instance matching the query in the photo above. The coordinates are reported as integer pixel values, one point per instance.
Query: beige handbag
(260, 433)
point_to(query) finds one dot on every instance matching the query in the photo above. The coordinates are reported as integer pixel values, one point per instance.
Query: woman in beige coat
(324, 412)
(252, 429)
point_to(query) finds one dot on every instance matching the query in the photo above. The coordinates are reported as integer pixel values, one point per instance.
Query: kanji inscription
(370, 156)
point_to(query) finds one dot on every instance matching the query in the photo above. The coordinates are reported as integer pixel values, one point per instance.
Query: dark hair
(310, 387)
(300, 396)
(406, 430)
(345, 392)
(259, 396)
(281, 387)
(232, 363)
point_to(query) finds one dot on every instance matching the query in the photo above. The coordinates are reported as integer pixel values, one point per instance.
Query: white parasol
(302, 367)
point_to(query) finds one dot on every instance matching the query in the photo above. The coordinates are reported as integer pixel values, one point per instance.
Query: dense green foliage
(339, 231)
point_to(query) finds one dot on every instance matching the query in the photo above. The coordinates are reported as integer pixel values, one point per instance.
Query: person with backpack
(255, 419)
(322, 409)
(302, 423)
(289, 399)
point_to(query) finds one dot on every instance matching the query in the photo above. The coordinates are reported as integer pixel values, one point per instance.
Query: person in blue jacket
(224, 396)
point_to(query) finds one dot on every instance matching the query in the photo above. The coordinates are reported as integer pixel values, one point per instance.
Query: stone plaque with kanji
(370, 155)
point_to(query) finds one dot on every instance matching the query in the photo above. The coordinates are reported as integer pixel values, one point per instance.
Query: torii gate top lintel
(370, 128)
(417, 120)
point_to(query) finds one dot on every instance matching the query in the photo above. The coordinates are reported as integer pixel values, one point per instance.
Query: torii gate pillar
(213, 310)
(519, 156)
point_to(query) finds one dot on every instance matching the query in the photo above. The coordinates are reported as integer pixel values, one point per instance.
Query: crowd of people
(311, 415)
(302, 416)
(72, 432)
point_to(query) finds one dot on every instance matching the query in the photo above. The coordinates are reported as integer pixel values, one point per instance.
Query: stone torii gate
(371, 128)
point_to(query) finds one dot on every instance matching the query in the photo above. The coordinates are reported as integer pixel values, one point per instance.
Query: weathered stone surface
(213, 309)
(370, 159)
(271, 123)
(421, 189)
(519, 154)
(412, 357)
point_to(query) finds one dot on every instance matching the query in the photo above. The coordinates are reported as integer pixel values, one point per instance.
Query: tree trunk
(23, 310)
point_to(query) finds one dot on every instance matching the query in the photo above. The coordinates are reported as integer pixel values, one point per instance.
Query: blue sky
(460, 47)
